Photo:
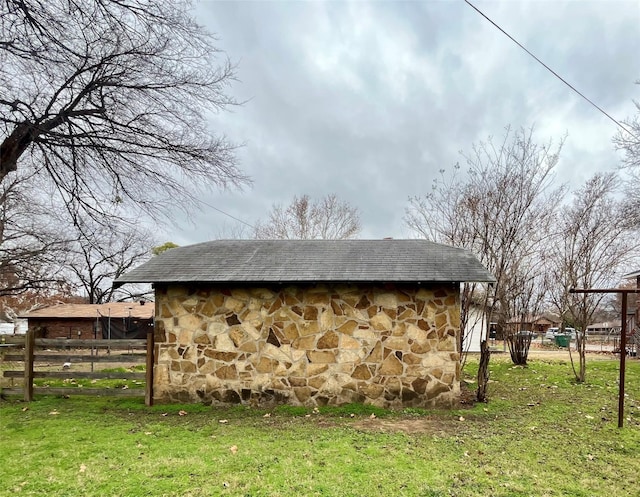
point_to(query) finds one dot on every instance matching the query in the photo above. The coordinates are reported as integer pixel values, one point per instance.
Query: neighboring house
(309, 322)
(537, 324)
(110, 320)
(542, 323)
(476, 328)
(604, 328)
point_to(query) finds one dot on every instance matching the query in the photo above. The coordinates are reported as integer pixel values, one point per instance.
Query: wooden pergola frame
(624, 292)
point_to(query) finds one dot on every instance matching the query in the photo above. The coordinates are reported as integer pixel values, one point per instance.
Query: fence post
(29, 344)
(148, 394)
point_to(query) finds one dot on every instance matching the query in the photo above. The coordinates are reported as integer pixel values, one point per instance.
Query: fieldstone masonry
(308, 345)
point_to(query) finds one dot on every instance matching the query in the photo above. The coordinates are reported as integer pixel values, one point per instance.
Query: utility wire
(618, 123)
(227, 214)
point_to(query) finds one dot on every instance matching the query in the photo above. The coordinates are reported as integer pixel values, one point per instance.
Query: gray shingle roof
(310, 260)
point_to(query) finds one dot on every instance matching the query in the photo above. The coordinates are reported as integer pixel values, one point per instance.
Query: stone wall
(315, 345)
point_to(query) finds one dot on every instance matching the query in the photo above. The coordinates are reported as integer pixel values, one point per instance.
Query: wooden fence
(40, 355)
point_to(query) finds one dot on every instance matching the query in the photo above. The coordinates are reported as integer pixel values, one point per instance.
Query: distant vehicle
(553, 332)
(526, 333)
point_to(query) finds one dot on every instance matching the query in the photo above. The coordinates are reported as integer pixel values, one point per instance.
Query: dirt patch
(423, 424)
(555, 354)
(410, 426)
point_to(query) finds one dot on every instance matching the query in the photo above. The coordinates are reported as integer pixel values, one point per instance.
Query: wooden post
(623, 356)
(29, 344)
(148, 394)
(637, 315)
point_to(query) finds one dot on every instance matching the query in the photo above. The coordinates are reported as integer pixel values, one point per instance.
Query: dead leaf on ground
(83, 468)
(234, 449)
(182, 413)
(54, 413)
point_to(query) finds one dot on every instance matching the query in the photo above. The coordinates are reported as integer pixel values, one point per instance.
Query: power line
(227, 214)
(618, 123)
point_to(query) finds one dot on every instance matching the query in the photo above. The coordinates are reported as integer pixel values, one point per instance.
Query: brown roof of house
(533, 319)
(81, 311)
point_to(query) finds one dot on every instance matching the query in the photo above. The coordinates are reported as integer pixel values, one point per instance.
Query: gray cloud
(370, 100)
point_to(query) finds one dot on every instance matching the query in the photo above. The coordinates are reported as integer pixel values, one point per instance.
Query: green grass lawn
(540, 434)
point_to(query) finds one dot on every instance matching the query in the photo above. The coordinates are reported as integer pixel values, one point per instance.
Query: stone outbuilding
(309, 322)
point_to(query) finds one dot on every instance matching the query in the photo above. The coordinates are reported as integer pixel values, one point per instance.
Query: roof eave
(119, 283)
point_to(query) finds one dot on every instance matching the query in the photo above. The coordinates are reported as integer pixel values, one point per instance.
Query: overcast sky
(369, 100)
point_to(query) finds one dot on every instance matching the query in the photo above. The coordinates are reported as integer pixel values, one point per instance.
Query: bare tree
(592, 249)
(328, 218)
(13, 306)
(99, 254)
(238, 230)
(32, 248)
(500, 210)
(628, 141)
(108, 100)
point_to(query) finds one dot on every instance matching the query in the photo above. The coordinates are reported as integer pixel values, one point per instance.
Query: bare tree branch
(32, 250)
(328, 218)
(501, 209)
(592, 248)
(630, 145)
(113, 97)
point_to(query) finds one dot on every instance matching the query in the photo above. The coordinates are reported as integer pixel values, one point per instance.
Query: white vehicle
(526, 333)
(553, 332)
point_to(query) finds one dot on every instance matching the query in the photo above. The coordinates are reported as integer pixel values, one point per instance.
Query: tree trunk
(519, 348)
(581, 340)
(14, 146)
(483, 372)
